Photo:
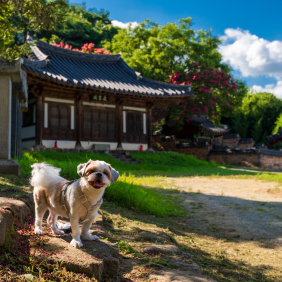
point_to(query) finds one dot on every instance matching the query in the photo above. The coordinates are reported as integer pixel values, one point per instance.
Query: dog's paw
(90, 237)
(58, 232)
(76, 243)
(38, 231)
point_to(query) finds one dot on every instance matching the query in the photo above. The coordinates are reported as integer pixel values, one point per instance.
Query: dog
(79, 199)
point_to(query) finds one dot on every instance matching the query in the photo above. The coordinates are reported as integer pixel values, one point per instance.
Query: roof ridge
(70, 53)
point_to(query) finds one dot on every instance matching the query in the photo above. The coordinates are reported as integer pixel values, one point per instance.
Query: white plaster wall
(85, 144)
(60, 144)
(133, 146)
(28, 132)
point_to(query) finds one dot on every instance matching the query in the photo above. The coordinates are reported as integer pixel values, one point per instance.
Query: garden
(226, 218)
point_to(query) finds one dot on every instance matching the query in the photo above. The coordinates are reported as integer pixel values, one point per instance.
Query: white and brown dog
(77, 200)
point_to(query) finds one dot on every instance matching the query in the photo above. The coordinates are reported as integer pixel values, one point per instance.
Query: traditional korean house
(275, 139)
(200, 129)
(89, 101)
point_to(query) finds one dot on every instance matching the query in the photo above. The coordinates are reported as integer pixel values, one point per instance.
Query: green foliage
(278, 124)
(257, 130)
(158, 51)
(80, 25)
(17, 17)
(257, 116)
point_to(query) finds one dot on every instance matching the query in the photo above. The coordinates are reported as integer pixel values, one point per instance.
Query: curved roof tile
(95, 71)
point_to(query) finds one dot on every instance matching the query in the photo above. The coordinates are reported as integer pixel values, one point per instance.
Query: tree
(17, 17)
(259, 113)
(86, 48)
(214, 90)
(175, 53)
(80, 26)
(278, 124)
(159, 51)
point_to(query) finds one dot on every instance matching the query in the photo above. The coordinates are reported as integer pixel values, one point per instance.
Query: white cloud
(271, 88)
(251, 55)
(124, 25)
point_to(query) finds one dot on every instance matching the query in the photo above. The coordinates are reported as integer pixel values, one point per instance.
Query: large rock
(19, 208)
(96, 258)
(6, 221)
(11, 210)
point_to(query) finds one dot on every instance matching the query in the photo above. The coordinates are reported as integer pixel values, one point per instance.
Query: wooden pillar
(39, 119)
(78, 123)
(119, 123)
(149, 126)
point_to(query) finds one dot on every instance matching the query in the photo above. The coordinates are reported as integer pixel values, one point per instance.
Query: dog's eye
(106, 173)
(92, 171)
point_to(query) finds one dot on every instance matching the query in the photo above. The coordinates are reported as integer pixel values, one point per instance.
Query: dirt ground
(250, 208)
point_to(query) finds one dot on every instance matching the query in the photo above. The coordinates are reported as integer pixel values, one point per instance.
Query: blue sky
(250, 29)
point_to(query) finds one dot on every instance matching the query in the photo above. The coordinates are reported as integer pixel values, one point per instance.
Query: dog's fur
(47, 195)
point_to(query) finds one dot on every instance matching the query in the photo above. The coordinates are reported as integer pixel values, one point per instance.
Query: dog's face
(98, 173)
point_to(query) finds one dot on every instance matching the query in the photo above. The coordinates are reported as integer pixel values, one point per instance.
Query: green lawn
(132, 191)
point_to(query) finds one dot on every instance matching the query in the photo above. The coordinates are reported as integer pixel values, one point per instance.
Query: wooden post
(119, 124)
(78, 123)
(149, 126)
(39, 119)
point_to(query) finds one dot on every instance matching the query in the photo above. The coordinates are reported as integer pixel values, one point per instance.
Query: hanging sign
(99, 98)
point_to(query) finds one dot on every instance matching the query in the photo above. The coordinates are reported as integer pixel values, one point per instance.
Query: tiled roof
(104, 72)
(209, 127)
(246, 140)
(258, 145)
(231, 136)
(274, 137)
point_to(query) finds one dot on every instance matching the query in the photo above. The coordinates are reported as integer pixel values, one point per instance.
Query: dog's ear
(81, 168)
(114, 174)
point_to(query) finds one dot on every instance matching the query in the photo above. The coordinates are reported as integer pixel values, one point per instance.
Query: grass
(140, 185)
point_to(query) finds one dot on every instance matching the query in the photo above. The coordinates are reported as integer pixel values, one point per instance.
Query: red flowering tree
(86, 48)
(215, 94)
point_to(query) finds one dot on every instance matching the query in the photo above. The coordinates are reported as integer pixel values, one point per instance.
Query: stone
(18, 208)
(178, 276)
(6, 221)
(95, 259)
(160, 249)
(10, 167)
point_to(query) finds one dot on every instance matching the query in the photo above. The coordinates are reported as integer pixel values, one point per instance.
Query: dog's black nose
(99, 174)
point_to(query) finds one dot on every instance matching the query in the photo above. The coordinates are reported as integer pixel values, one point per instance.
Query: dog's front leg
(86, 226)
(75, 242)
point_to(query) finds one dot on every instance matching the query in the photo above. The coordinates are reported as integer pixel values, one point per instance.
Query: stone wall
(231, 142)
(246, 145)
(197, 152)
(218, 140)
(235, 159)
(260, 160)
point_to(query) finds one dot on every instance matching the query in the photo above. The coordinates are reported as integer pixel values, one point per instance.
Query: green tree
(260, 111)
(257, 131)
(80, 26)
(241, 125)
(159, 51)
(17, 17)
(278, 124)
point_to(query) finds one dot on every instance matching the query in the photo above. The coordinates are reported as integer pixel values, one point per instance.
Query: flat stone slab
(179, 276)
(160, 249)
(95, 259)
(10, 167)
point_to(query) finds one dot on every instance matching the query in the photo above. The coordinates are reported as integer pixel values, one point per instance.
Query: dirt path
(244, 208)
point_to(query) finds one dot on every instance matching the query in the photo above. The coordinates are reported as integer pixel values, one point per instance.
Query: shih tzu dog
(79, 200)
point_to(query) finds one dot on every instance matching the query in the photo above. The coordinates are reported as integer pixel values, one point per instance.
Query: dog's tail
(44, 175)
